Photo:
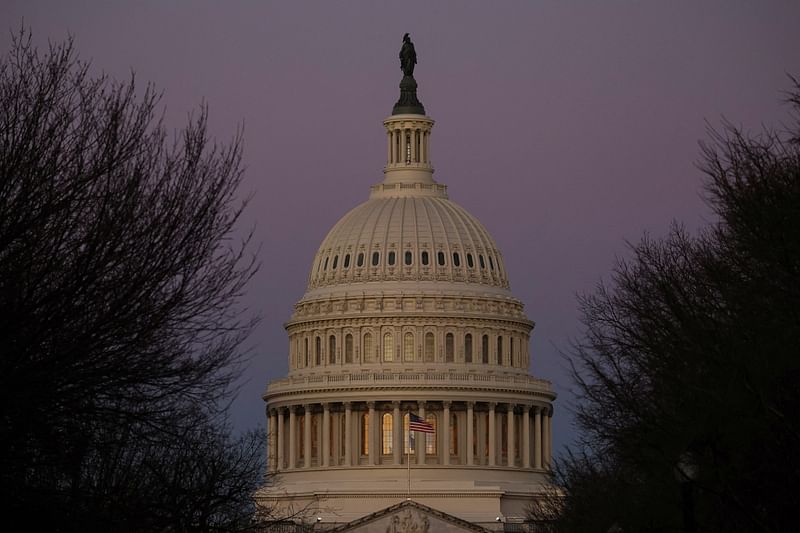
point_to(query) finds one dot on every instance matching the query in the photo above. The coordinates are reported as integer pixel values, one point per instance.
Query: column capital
(470, 404)
(326, 406)
(371, 404)
(492, 405)
(447, 404)
(348, 405)
(510, 406)
(395, 404)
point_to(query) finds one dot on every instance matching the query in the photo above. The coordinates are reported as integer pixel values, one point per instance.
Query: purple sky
(565, 127)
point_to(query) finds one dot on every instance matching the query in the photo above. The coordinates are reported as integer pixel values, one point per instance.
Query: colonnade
(406, 145)
(373, 433)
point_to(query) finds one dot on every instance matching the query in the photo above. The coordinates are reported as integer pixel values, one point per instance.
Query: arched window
(468, 348)
(440, 258)
(375, 258)
(430, 438)
(429, 348)
(391, 258)
(453, 434)
(500, 358)
(408, 257)
(408, 346)
(408, 437)
(425, 259)
(365, 434)
(332, 349)
(346, 261)
(480, 260)
(388, 347)
(491, 263)
(360, 260)
(348, 348)
(485, 349)
(335, 261)
(318, 351)
(325, 267)
(449, 348)
(470, 262)
(387, 431)
(456, 260)
(367, 348)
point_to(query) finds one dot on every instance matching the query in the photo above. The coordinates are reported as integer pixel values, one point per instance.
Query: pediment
(409, 517)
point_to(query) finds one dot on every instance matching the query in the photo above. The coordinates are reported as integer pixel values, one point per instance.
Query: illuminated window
(365, 434)
(468, 348)
(348, 348)
(388, 347)
(485, 349)
(408, 437)
(332, 349)
(449, 348)
(387, 433)
(429, 347)
(367, 348)
(408, 346)
(430, 438)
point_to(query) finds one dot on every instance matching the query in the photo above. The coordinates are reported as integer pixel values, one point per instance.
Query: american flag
(415, 423)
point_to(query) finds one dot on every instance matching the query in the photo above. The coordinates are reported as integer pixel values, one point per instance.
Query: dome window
(480, 260)
(440, 258)
(346, 261)
(429, 347)
(449, 348)
(348, 348)
(324, 268)
(425, 260)
(491, 263)
(388, 347)
(456, 259)
(375, 258)
(408, 258)
(470, 262)
(468, 348)
(360, 260)
(335, 262)
(485, 349)
(391, 258)
(408, 347)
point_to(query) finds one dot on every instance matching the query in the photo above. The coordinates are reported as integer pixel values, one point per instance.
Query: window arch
(387, 433)
(408, 346)
(468, 348)
(367, 348)
(425, 259)
(449, 348)
(430, 438)
(348, 348)
(318, 351)
(485, 349)
(388, 347)
(365, 433)
(429, 347)
(408, 257)
(332, 349)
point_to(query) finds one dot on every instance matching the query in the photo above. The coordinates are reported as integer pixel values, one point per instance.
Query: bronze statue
(408, 56)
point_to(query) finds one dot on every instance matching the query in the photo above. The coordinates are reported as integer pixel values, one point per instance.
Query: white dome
(407, 237)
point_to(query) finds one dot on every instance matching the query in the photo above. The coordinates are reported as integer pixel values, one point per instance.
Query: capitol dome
(408, 313)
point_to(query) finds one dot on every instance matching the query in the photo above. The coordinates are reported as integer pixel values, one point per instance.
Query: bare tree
(120, 278)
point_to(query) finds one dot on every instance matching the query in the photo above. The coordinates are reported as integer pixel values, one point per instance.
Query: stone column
(537, 437)
(307, 437)
(492, 435)
(526, 436)
(446, 433)
(389, 147)
(413, 146)
(280, 429)
(420, 438)
(371, 437)
(292, 438)
(470, 443)
(397, 433)
(422, 140)
(511, 448)
(326, 435)
(348, 433)
(272, 463)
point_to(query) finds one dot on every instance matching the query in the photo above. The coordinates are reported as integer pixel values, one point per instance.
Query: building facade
(408, 310)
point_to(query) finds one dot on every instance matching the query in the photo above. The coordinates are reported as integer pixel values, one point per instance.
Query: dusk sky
(567, 128)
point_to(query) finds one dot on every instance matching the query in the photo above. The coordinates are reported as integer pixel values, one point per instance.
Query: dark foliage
(120, 329)
(689, 373)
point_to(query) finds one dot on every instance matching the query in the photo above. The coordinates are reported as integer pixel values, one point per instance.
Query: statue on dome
(408, 56)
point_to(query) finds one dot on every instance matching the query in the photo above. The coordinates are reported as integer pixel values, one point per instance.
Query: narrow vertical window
(301, 422)
(491, 263)
(365, 434)
(375, 258)
(408, 257)
(485, 349)
(430, 438)
(408, 346)
(408, 437)
(468, 348)
(388, 347)
(348, 348)
(470, 262)
(318, 351)
(482, 263)
(425, 258)
(387, 431)
(346, 261)
(335, 261)
(453, 434)
(314, 435)
(456, 260)
(367, 348)
(500, 358)
(429, 347)
(440, 258)
(360, 260)
(332, 349)
(325, 267)
(391, 258)
(512, 355)
(449, 348)
(305, 353)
